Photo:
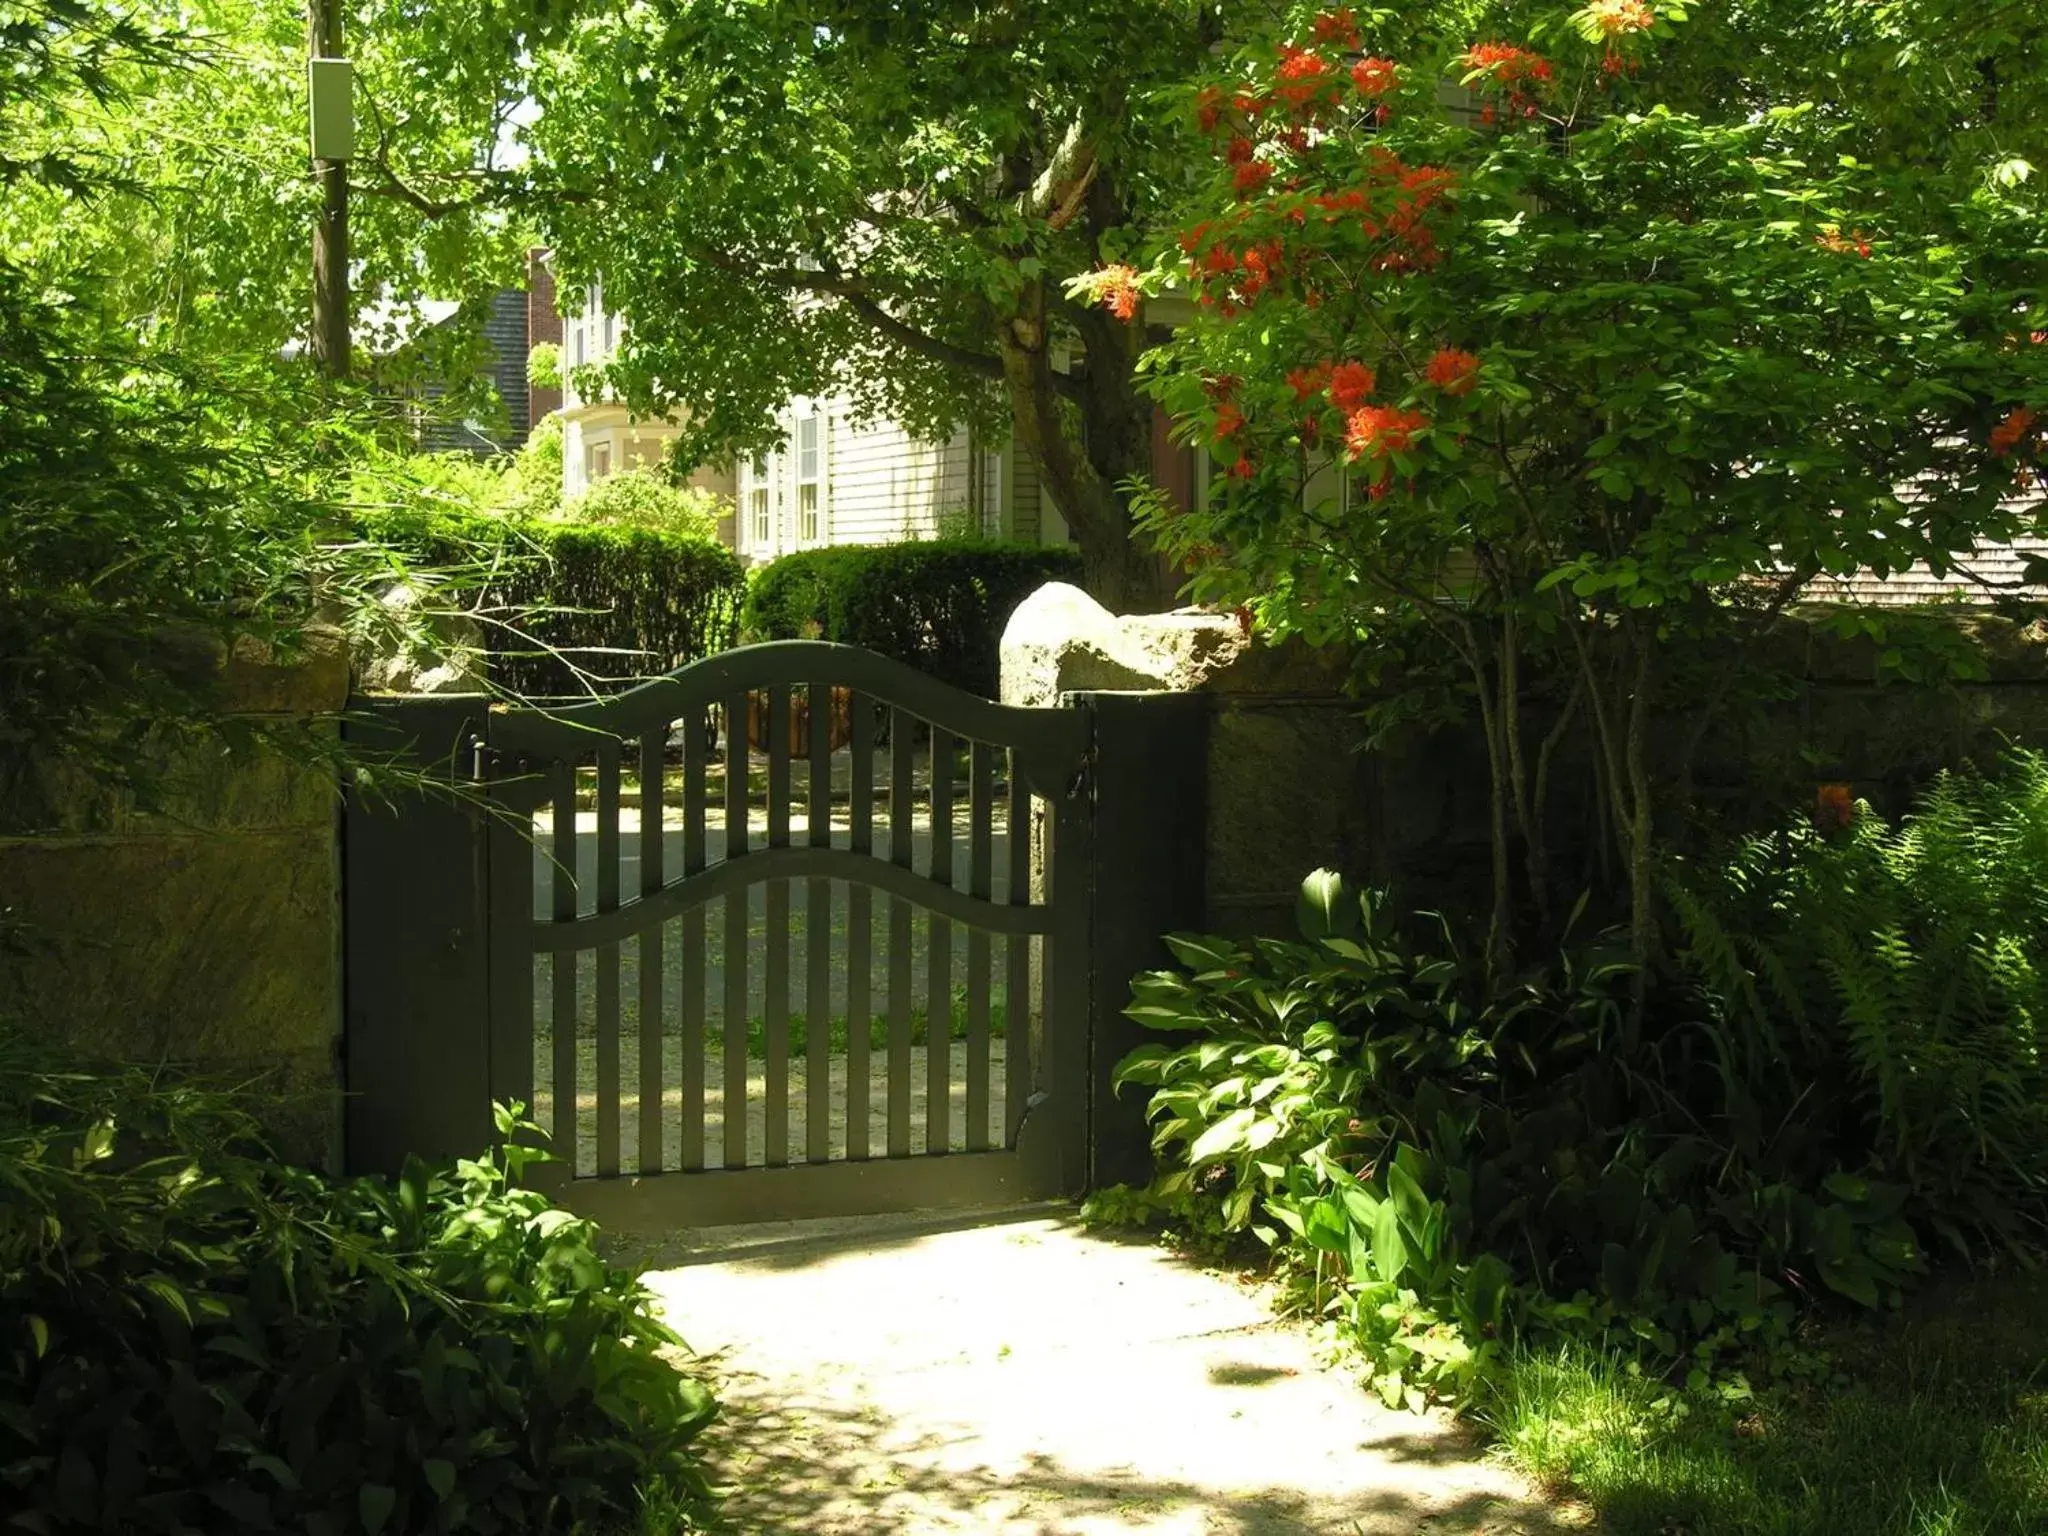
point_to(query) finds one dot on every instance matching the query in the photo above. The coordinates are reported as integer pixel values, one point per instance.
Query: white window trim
(819, 480)
(757, 480)
(600, 460)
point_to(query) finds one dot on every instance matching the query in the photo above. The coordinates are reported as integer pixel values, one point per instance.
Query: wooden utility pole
(333, 143)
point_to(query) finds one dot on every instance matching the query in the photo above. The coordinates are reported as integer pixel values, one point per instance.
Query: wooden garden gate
(772, 1006)
(874, 960)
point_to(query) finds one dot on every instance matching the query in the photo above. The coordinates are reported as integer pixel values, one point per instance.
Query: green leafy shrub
(1843, 1074)
(567, 607)
(1888, 987)
(544, 365)
(533, 477)
(638, 498)
(1445, 1170)
(200, 1338)
(939, 607)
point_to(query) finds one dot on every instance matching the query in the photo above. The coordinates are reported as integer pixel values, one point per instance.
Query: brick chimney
(543, 323)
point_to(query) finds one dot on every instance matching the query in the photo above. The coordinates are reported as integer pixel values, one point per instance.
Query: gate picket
(734, 957)
(860, 818)
(980, 882)
(902, 813)
(1017, 961)
(562, 1007)
(693, 978)
(608, 962)
(938, 992)
(776, 974)
(649, 1011)
(818, 938)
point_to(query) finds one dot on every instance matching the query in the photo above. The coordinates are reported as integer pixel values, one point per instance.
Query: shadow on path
(1033, 1379)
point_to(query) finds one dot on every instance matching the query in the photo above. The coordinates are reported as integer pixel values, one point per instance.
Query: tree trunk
(1084, 452)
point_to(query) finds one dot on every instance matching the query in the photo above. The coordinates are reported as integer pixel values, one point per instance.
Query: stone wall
(207, 932)
(1291, 784)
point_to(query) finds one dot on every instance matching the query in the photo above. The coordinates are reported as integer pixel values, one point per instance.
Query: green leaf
(1407, 1197)
(1225, 1136)
(1389, 1253)
(374, 1504)
(440, 1476)
(166, 1290)
(1851, 1278)
(1321, 909)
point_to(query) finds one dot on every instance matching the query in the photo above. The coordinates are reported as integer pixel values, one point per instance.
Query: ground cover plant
(1929, 1422)
(200, 1337)
(1836, 1087)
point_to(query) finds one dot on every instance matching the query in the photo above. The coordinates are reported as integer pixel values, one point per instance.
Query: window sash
(807, 450)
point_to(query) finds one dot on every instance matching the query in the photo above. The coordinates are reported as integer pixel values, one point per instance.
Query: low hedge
(571, 606)
(940, 607)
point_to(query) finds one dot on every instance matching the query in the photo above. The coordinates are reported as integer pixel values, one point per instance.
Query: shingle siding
(1998, 571)
(504, 332)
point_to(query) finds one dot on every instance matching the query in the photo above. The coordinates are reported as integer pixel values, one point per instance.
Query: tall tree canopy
(880, 202)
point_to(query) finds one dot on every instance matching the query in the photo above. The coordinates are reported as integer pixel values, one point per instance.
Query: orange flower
(1119, 290)
(1834, 807)
(1831, 238)
(2009, 433)
(1338, 26)
(1251, 176)
(1309, 382)
(1241, 469)
(1302, 75)
(1350, 385)
(1506, 64)
(1209, 108)
(1376, 77)
(1229, 420)
(1381, 429)
(1239, 150)
(1614, 18)
(1452, 371)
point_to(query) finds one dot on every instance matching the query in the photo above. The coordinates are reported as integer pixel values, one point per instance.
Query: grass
(836, 1032)
(1931, 1423)
(878, 1030)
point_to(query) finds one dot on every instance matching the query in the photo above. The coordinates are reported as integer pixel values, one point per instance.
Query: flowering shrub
(1547, 365)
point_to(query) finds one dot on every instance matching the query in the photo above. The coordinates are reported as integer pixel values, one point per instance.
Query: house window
(757, 502)
(576, 343)
(809, 477)
(608, 335)
(600, 460)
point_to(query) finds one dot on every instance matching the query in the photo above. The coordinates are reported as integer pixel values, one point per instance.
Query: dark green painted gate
(900, 989)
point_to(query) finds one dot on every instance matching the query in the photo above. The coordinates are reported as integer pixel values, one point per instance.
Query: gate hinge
(1084, 772)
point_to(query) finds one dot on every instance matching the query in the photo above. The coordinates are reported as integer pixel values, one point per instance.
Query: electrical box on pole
(331, 87)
